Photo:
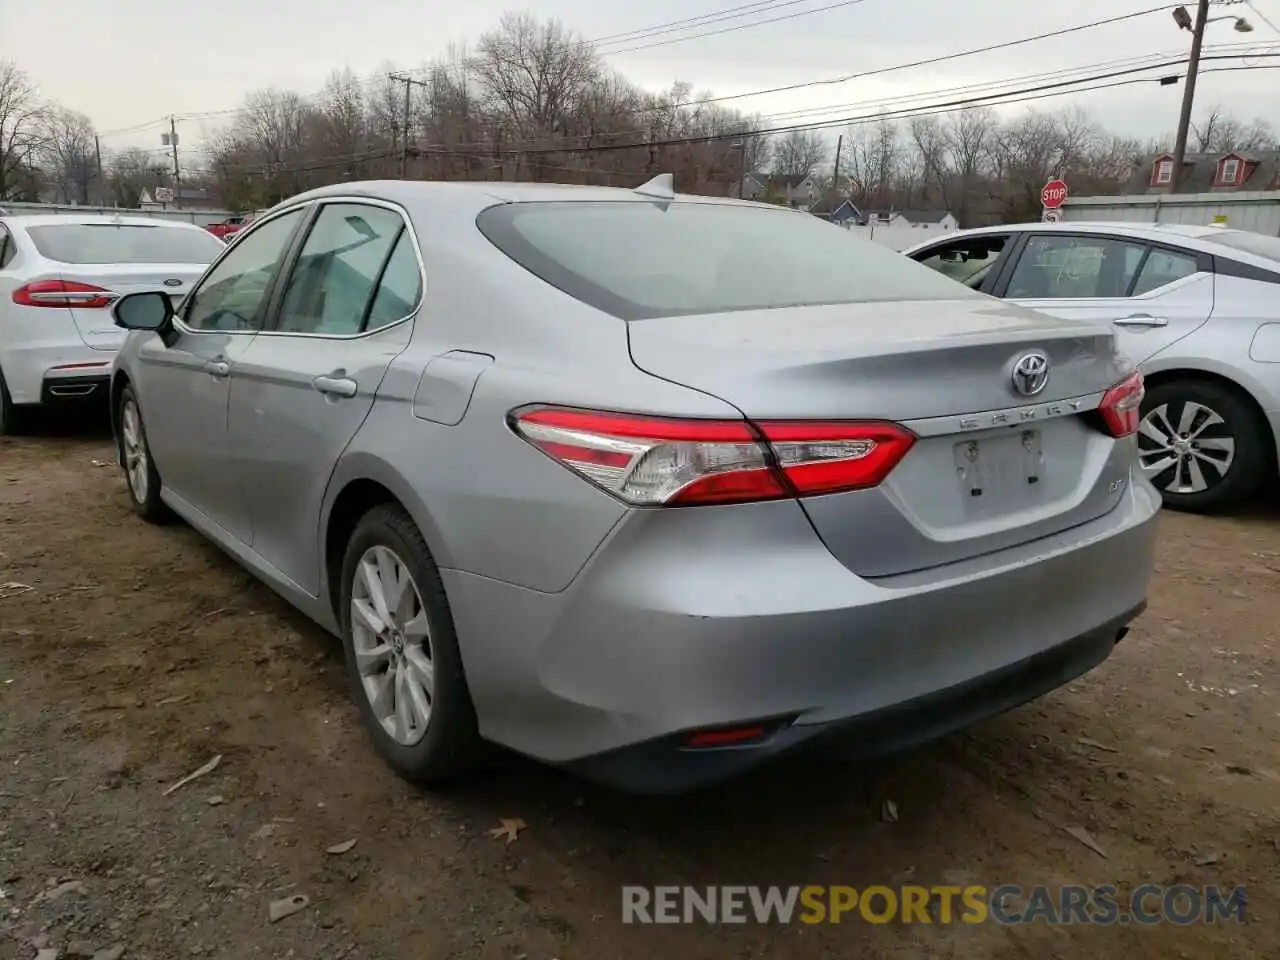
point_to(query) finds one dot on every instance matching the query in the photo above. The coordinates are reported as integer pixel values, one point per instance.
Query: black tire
(146, 503)
(1253, 451)
(451, 745)
(12, 417)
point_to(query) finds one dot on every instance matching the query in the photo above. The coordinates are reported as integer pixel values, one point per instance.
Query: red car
(229, 226)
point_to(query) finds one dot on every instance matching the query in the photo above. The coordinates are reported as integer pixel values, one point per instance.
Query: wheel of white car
(135, 458)
(1202, 445)
(402, 652)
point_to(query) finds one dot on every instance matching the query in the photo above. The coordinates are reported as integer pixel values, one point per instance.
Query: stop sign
(1053, 194)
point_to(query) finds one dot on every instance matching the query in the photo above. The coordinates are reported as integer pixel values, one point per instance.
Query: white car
(1197, 307)
(59, 275)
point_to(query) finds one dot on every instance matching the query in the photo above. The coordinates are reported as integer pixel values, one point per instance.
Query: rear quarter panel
(1222, 345)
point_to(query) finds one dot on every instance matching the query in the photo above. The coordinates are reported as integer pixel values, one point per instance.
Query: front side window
(1067, 267)
(1164, 171)
(232, 297)
(333, 285)
(1230, 170)
(969, 261)
(124, 243)
(638, 260)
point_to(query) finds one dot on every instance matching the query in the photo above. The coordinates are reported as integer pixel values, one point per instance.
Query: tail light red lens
(63, 293)
(650, 461)
(1122, 404)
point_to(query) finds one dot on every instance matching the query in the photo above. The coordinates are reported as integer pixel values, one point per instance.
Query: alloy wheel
(392, 642)
(135, 451)
(1185, 447)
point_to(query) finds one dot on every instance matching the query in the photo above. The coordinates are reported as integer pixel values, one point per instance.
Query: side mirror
(143, 311)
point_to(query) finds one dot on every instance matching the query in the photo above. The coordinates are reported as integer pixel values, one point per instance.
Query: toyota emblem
(1030, 373)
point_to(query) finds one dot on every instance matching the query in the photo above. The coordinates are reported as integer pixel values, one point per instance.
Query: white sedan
(59, 274)
(1197, 307)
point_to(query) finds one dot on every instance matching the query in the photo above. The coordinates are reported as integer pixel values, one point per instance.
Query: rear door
(1152, 294)
(304, 387)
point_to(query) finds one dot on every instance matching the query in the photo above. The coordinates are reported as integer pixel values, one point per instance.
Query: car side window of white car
(1163, 267)
(336, 278)
(1074, 267)
(232, 296)
(7, 249)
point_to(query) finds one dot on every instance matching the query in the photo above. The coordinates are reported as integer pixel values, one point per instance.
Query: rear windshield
(125, 243)
(643, 260)
(1258, 244)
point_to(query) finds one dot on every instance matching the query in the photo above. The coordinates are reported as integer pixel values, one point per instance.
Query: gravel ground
(140, 654)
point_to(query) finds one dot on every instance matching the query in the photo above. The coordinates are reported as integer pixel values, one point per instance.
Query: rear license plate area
(999, 472)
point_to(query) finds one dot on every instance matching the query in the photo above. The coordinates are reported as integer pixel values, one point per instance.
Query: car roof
(478, 194)
(90, 219)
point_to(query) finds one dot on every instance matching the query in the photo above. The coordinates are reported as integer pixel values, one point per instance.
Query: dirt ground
(138, 654)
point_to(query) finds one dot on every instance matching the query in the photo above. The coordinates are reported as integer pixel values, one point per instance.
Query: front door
(1152, 294)
(305, 386)
(185, 385)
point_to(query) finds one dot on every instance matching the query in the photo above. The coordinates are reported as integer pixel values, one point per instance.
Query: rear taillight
(62, 293)
(1121, 406)
(650, 461)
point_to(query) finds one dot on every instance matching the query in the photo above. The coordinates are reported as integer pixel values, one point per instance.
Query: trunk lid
(991, 468)
(95, 325)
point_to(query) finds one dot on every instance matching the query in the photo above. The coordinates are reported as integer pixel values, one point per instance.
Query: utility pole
(1188, 91)
(409, 84)
(177, 172)
(97, 153)
(835, 174)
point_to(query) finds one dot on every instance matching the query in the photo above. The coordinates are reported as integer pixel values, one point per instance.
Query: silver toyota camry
(655, 487)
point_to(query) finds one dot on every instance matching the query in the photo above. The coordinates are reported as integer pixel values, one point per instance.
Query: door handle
(1141, 320)
(218, 368)
(336, 386)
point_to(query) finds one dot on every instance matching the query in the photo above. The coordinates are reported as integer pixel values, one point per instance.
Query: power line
(1007, 98)
(1150, 59)
(713, 16)
(785, 88)
(1042, 91)
(741, 26)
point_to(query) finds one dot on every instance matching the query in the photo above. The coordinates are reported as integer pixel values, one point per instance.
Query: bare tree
(970, 140)
(929, 137)
(799, 153)
(22, 133)
(534, 73)
(1220, 132)
(130, 172)
(70, 153)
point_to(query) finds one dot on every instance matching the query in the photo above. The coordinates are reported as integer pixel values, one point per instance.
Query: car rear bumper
(668, 765)
(691, 620)
(56, 372)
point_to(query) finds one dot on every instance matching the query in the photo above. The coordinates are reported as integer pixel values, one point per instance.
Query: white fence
(897, 236)
(201, 218)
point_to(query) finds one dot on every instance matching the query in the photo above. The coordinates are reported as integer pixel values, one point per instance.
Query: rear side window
(639, 260)
(124, 243)
(1163, 267)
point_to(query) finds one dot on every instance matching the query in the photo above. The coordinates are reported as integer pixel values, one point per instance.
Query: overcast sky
(127, 62)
